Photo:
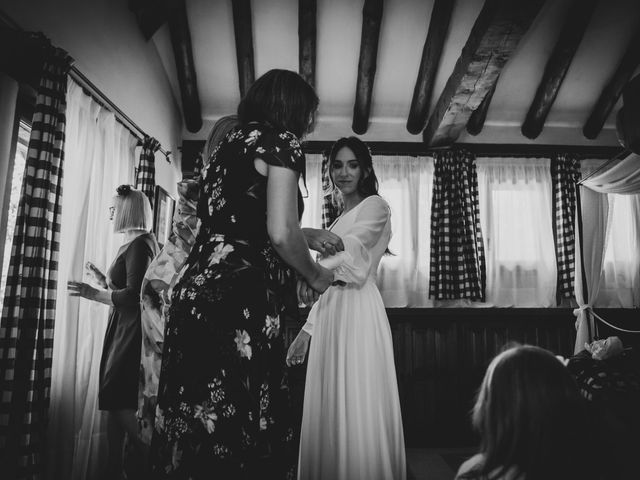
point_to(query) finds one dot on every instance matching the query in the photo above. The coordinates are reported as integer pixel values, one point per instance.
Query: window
(24, 131)
(516, 215)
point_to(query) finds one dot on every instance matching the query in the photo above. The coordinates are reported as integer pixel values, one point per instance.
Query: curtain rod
(95, 92)
(100, 97)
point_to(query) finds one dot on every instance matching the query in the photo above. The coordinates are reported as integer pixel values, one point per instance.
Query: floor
(435, 463)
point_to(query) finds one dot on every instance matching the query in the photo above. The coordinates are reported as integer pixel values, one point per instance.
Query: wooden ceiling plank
(612, 91)
(493, 39)
(367, 64)
(431, 53)
(243, 29)
(307, 40)
(185, 66)
(575, 25)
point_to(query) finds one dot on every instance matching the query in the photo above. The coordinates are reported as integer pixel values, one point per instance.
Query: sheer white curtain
(620, 284)
(406, 184)
(516, 217)
(611, 241)
(99, 156)
(312, 216)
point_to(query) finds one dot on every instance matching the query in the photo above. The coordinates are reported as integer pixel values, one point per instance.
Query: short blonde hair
(133, 211)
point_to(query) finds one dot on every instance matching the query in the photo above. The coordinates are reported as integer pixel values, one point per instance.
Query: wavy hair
(368, 182)
(283, 99)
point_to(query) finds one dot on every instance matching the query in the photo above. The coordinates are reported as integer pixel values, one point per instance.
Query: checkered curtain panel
(26, 326)
(565, 172)
(146, 173)
(457, 253)
(331, 208)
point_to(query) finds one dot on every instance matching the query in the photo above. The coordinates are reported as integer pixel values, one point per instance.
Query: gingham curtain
(457, 253)
(565, 172)
(26, 327)
(146, 173)
(331, 207)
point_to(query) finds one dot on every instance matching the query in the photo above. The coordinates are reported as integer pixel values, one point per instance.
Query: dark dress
(224, 408)
(120, 362)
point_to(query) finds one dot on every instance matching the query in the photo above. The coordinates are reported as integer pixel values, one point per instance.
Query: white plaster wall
(105, 41)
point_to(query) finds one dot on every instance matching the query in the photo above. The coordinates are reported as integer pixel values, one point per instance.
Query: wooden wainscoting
(441, 355)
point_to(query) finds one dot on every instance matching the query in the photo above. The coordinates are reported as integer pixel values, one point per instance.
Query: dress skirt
(352, 424)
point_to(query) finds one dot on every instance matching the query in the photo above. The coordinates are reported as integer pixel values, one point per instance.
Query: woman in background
(160, 279)
(120, 289)
(223, 398)
(351, 423)
(532, 421)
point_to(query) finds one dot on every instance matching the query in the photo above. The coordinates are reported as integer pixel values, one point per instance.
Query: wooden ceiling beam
(493, 39)
(575, 25)
(307, 40)
(371, 20)
(243, 29)
(612, 91)
(431, 53)
(479, 115)
(185, 66)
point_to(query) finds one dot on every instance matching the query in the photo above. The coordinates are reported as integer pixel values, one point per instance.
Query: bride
(351, 423)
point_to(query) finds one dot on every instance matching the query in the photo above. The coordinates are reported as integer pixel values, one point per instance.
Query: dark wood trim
(479, 149)
(185, 66)
(150, 14)
(571, 34)
(367, 64)
(612, 91)
(431, 53)
(243, 30)
(492, 40)
(307, 40)
(479, 115)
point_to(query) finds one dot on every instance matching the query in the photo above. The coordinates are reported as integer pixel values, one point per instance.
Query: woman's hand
(322, 279)
(298, 349)
(306, 294)
(323, 241)
(95, 273)
(81, 289)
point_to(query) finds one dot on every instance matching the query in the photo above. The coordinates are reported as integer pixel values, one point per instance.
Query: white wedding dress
(351, 425)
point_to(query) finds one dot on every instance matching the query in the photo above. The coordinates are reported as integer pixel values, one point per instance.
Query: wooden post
(185, 67)
(557, 66)
(431, 53)
(493, 39)
(612, 91)
(307, 40)
(479, 115)
(371, 19)
(243, 30)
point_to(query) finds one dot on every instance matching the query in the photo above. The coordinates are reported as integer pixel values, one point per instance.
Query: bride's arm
(352, 265)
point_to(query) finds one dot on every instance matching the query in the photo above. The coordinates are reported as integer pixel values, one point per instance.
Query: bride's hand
(298, 349)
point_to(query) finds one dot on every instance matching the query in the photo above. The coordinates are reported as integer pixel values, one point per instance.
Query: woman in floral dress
(223, 403)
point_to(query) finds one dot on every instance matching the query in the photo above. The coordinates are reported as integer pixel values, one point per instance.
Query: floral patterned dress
(223, 399)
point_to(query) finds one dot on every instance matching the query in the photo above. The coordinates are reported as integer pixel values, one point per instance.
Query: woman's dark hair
(368, 183)
(531, 418)
(281, 98)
